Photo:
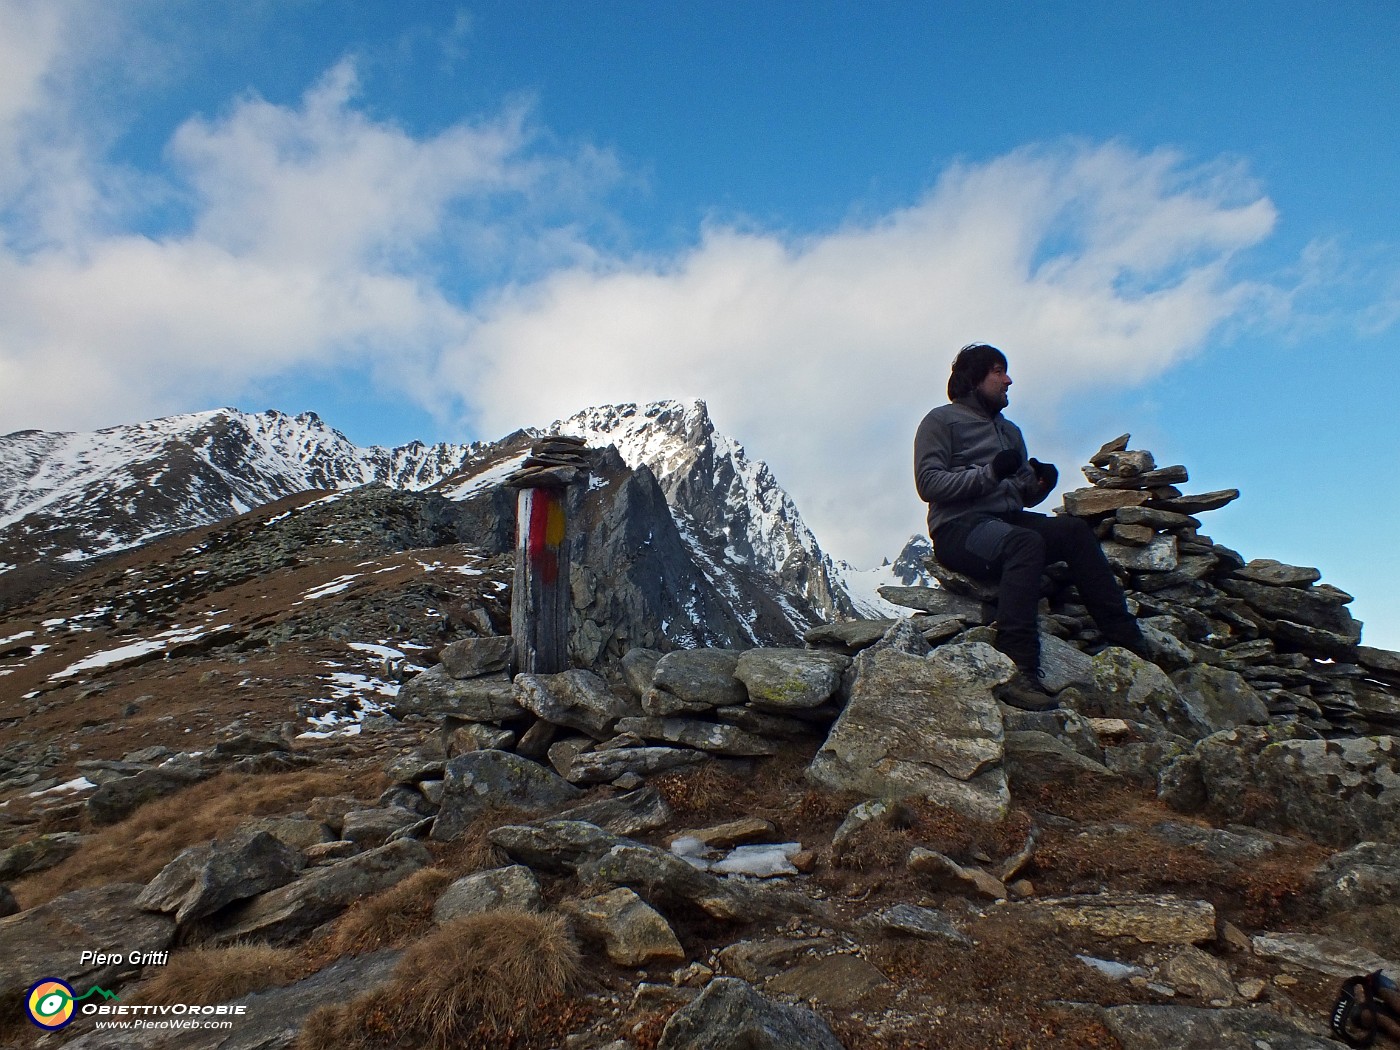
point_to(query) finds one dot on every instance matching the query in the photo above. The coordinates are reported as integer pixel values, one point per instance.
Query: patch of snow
(80, 784)
(488, 478)
(349, 730)
(111, 656)
(352, 699)
(760, 861)
(131, 651)
(384, 651)
(1116, 970)
(863, 585)
(693, 851)
(6, 566)
(16, 637)
(336, 586)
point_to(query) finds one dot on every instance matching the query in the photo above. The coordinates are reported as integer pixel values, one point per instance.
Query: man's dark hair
(971, 366)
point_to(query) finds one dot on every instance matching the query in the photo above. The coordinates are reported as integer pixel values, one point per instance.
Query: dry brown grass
(137, 848)
(390, 918)
(218, 975)
(886, 842)
(704, 791)
(485, 980)
(472, 851)
(1266, 892)
(1002, 993)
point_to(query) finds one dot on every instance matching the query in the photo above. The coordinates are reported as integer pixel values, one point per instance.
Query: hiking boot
(1027, 692)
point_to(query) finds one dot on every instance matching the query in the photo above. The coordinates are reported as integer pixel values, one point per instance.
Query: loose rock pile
(1290, 637)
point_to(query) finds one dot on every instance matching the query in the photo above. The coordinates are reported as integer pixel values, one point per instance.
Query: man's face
(995, 386)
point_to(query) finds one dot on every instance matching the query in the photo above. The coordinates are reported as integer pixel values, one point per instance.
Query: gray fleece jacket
(953, 452)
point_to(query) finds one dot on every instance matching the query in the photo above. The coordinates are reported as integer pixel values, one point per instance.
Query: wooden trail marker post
(541, 601)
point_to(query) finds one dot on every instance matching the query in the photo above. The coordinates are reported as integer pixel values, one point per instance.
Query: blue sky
(441, 221)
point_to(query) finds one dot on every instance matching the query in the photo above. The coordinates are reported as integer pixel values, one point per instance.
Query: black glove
(1005, 463)
(1046, 473)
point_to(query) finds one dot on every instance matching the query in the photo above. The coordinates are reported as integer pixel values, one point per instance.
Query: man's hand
(1005, 463)
(1046, 474)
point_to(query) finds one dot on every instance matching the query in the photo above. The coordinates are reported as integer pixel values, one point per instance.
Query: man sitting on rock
(970, 466)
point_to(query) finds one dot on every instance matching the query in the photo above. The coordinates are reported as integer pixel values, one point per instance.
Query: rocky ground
(295, 735)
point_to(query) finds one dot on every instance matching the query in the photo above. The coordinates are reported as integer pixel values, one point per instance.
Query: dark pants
(1013, 550)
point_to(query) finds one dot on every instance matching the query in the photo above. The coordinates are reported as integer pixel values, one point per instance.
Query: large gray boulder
(479, 780)
(782, 679)
(204, 878)
(602, 767)
(1367, 873)
(1035, 760)
(554, 846)
(477, 657)
(1062, 665)
(576, 699)
(926, 727)
(632, 933)
(1340, 792)
(287, 913)
(1126, 686)
(717, 738)
(117, 799)
(729, 1013)
(374, 827)
(694, 680)
(435, 692)
(1161, 1027)
(1309, 606)
(1220, 698)
(38, 854)
(511, 887)
(664, 879)
(602, 859)
(630, 814)
(639, 668)
(49, 939)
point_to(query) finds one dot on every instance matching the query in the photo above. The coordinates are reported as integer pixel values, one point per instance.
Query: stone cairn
(1289, 635)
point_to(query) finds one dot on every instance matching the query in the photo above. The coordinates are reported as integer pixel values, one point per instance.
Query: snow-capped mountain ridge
(78, 496)
(72, 497)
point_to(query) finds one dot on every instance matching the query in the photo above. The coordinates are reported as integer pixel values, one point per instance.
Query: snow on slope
(95, 493)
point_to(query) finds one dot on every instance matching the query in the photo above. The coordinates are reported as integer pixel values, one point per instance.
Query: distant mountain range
(69, 499)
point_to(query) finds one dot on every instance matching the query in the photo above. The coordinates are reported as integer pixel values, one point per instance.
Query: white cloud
(822, 353)
(315, 239)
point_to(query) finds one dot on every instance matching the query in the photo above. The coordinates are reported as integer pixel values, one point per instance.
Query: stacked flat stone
(1287, 633)
(553, 461)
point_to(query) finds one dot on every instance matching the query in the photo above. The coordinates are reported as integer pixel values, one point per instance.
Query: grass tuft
(390, 918)
(218, 975)
(483, 980)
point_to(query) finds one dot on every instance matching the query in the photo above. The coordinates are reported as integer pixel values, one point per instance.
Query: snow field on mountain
(353, 696)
